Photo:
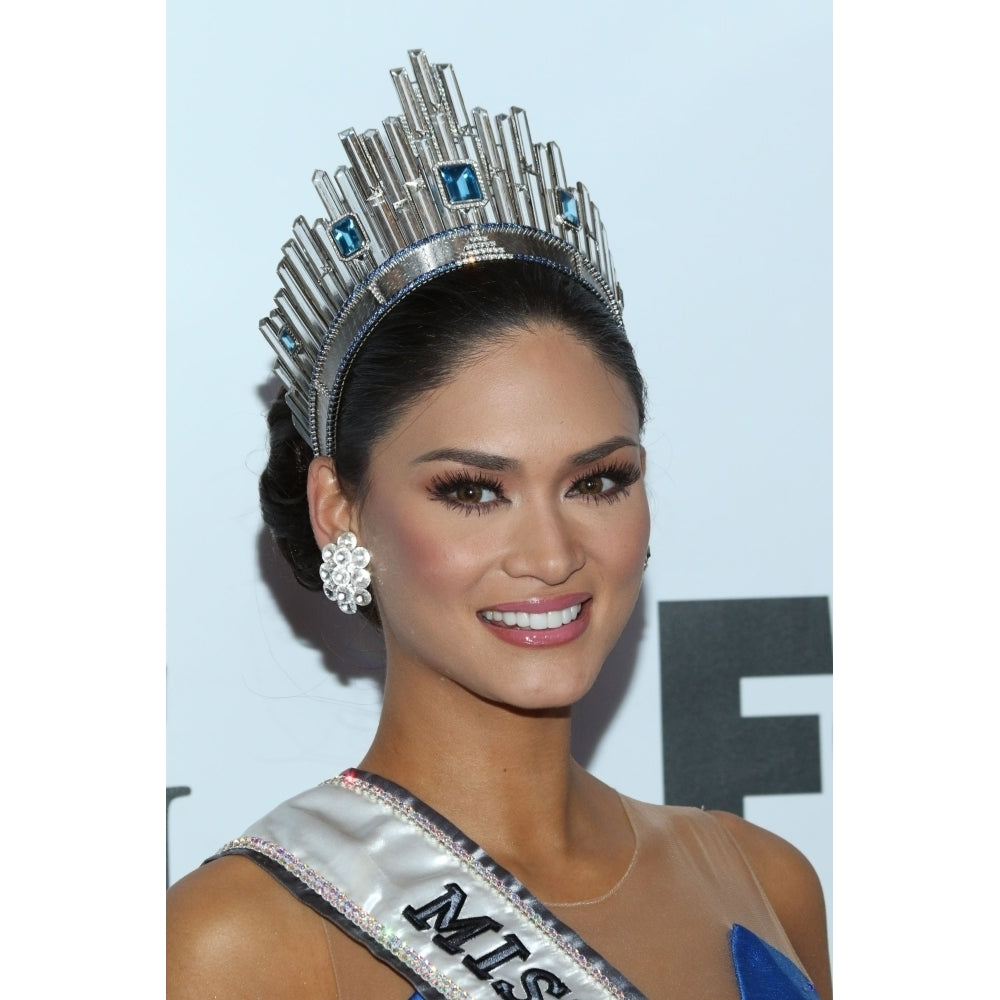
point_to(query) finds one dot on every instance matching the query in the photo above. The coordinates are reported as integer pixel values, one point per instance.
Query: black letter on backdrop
(712, 756)
(173, 793)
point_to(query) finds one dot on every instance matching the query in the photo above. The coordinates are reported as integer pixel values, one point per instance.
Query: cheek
(625, 547)
(415, 555)
(626, 560)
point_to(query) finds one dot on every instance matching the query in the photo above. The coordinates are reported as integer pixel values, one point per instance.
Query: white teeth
(536, 622)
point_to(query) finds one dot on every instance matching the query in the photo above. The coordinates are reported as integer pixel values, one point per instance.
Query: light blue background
(703, 131)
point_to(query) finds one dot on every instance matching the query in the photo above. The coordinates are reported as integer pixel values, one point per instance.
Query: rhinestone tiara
(438, 191)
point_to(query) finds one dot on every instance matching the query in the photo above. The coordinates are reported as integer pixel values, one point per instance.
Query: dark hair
(418, 346)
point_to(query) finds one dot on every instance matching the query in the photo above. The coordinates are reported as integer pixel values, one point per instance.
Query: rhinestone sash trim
(357, 915)
(475, 860)
(456, 858)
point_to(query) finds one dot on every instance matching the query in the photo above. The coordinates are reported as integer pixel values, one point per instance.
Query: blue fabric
(763, 973)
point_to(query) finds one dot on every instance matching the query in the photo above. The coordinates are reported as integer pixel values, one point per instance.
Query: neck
(505, 777)
(480, 764)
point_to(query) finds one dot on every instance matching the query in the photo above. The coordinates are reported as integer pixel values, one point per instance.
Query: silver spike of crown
(437, 191)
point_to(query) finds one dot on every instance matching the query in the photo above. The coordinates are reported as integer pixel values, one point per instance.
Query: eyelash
(443, 488)
(622, 475)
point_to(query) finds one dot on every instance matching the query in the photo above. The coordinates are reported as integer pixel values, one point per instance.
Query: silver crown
(438, 191)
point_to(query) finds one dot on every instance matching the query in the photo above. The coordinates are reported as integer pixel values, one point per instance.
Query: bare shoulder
(793, 888)
(233, 931)
(783, 871)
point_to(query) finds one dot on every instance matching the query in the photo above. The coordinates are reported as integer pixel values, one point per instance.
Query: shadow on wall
(594, 713)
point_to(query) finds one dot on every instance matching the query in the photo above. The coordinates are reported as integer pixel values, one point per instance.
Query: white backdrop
(703, 132)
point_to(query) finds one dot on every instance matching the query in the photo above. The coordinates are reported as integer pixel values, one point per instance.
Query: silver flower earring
(345, 579)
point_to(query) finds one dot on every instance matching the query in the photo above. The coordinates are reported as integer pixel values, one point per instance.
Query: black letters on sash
(514, 948)
(530, 981)
(445, 910)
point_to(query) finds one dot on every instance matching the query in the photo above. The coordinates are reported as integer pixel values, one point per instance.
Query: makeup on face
(508, 523)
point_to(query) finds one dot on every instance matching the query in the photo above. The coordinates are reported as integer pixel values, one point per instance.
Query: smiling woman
(540, 439)
(458, 456)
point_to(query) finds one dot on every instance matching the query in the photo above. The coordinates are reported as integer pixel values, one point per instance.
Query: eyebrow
(499, 463)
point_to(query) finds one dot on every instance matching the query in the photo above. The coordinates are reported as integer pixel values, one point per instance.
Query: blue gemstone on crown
(460, 182)
(568, 208)
(289, 343)
(347, 236)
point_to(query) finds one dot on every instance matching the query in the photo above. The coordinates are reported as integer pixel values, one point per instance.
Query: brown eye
(610, 484)
(594, 485)
(470, 494)
(473, 494)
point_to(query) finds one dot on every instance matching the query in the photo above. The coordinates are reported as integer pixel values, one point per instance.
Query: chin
(545, 697)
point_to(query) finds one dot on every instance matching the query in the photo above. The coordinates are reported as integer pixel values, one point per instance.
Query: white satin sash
(422, 897)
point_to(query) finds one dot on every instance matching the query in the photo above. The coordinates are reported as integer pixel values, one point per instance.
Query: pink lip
(541, 604)
(545, 637)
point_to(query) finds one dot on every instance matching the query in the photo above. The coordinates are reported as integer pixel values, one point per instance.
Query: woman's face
(508, 522)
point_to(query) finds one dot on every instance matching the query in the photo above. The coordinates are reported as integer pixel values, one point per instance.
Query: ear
(329, 507)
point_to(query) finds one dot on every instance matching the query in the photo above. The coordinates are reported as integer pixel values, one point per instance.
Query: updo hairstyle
(418, 346)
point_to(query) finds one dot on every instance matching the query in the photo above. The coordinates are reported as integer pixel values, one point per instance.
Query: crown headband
(438, 191)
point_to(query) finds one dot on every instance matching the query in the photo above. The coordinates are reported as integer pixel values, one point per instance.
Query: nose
(544, 544)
